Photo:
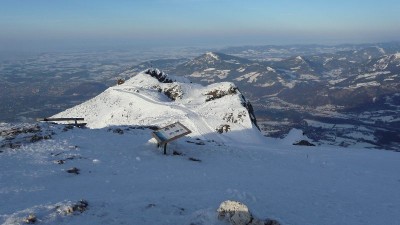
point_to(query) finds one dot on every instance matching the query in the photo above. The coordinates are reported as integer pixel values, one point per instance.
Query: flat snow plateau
(127, 180)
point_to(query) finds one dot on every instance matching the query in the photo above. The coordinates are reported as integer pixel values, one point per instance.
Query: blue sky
(68, 23)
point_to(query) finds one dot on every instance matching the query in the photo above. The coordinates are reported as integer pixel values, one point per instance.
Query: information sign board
(170, 133)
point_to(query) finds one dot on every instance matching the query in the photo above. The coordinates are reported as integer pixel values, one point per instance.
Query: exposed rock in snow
(235, 212)
(14, 137)
(223, 128)
(73, 170)
(238, 213)
(30, 219)
(160, 76)
(304, 143)
(47, 214)
(220, 92)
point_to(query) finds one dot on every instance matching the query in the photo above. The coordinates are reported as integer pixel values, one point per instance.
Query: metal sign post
(169, 133)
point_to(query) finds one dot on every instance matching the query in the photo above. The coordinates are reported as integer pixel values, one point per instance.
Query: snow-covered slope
(216, 112)
(125, 179)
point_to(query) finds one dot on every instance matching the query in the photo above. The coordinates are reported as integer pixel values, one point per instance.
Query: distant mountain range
(358, 86)
(361, 76)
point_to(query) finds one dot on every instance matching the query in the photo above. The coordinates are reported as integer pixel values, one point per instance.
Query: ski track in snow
(201, 125)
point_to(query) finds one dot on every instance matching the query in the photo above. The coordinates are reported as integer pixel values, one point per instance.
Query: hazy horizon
(45, 25)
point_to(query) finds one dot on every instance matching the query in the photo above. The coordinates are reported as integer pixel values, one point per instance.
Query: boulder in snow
(73, 170)
(80, 206)
(235, 212)
(30, 219)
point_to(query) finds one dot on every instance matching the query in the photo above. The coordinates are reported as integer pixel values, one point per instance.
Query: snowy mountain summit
(216, 112)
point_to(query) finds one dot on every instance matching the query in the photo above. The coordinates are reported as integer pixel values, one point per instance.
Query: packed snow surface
(126, 179)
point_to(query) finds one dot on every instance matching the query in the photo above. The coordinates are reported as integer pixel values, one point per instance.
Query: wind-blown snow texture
(127, 180)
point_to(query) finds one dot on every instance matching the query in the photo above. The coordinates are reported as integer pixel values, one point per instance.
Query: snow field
(126, 180)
